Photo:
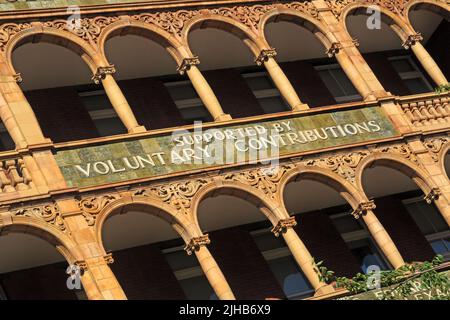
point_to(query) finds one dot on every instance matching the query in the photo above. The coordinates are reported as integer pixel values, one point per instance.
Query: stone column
(428, 63)
(300, 254)
(98, 280)
(17, 114)
(201, 86)
(378, 233)
(210, 268)
(347, 54)
(266, 58)
(117, 99)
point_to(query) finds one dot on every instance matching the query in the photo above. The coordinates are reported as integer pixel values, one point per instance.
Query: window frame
(417, 74)
(341, 99)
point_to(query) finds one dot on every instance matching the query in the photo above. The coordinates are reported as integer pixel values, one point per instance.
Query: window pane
(272, 104)
(198, 113)
(330, 83)
(346, 224)
(109, 126)
(198, 288)
(344, 82)
(367, 254)
(427, 217)
(289, 276)
(267, 241)
(180, 260)
(416, 85)
(440, 246)
(402, 65)
(96, 102)
(259, 82)
(182, 91)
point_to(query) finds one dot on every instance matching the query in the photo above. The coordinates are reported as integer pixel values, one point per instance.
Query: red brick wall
(325, 243)
(403, 230)
(439, 47)
(307, 83)
(151, 103)
(61, 114)
(233, 93)
(41, 283)
(144, 273)
(243, 265)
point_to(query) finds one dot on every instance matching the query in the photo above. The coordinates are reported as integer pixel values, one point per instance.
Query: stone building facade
(65, 177)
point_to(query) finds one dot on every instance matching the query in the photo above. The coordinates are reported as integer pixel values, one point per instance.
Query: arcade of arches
(239, 231)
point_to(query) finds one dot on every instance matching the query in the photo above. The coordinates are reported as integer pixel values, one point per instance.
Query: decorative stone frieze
(435, 146)
(342, 164)
(91, 206)
(178, 195)
(48, 213)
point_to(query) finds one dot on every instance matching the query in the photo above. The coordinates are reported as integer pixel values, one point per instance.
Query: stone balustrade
(427, 111)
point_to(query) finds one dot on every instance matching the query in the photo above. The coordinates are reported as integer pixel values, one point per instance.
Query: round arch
(57, 37)
(63, 243)
(145, 30)
(300, 19)
(181, 224)
(242, 191)
(225, 24)
(441, 158)
(437, 7)
(395, 162)
(397, 24)
(345, 189)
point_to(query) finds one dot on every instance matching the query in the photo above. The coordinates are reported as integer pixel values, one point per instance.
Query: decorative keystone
(362, 209)
(265, 55)
(102, 72)
(196, 243)
(283, 225)
(187, 63)
(433, 195)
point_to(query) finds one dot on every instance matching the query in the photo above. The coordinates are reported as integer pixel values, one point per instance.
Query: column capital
(334, 48)
(108, 258)
(411, 40)
(362, 208)
(433, 195)
(102, 72)
(264, 55)
(195, 243)
(17, 77)
(283, 225)
(187, 63)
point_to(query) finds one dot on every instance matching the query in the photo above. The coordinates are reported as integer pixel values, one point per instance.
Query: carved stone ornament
(333, 49)
(102, 72)
(92, 206)
(108, 258)
(435, 146)
(400, 149)
(187, 63)
(49, 213)
(264, 179)
(179, 194)
(433, 195)
(283, 225)
(265, 55)
(344, 164)
(362, 209)
(196, 243)
(412, 40)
